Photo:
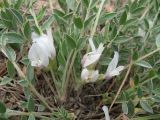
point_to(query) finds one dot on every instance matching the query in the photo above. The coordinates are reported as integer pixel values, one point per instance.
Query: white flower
(106, 112)
(89, 75)
(92, 57)
(42, 49)
(112, 69)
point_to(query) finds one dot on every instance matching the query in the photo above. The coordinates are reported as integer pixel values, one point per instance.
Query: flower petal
(115, 72)
(94, 75)
(89, 75)
(106, 112)
(113, 64)
(49, 34)
(34, 36)
(44, 42)
(38, 55)
(84, 74)
(91, 58)
(100, 48)
(51, 45)
(120, 68)
(47, 41)
(92, 44)
(42, 49)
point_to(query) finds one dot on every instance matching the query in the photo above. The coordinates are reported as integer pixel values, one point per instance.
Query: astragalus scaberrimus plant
(79, 59)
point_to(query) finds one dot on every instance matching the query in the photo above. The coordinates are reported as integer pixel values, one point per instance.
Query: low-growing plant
(81, 57)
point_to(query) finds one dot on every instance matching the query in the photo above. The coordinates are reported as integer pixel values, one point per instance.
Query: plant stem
(69, 74)
(95, 26)
(110, 43)
(36, 22)
(37, 114)
(64, 78)
(88, 10)
(143, 57)
(121, 86)
(150, 117)
(146, 11)
(51, 4)
(32, 88)
(97, 18)
(86, 17)
(50, 85)
(147, 55)
(149, 79)
(55, 82)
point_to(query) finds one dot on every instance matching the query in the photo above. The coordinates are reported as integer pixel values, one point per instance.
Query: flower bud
(89, 75)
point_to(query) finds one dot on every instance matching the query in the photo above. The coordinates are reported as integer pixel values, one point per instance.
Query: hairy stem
(95, 26)
(36, 114)
(32, 88)
(147, 55)
(36, 21)
(51, 4)
(97, 18)
(121, 86)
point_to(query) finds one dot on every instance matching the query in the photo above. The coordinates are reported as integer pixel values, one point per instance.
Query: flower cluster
(89, 60)
(42, 49)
